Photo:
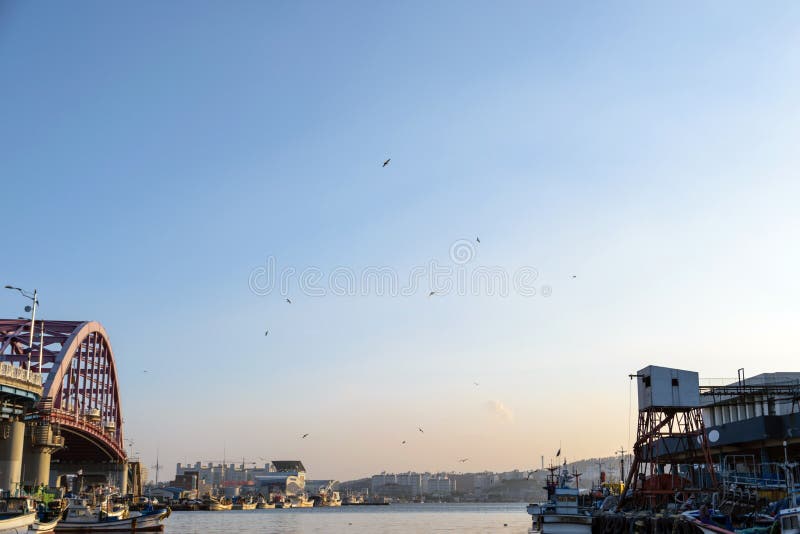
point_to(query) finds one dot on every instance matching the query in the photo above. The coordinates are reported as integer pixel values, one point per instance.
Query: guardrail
(73, 420)
(20, 373)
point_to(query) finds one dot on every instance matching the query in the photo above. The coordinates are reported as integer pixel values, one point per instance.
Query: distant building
(384, 479)
(289, 478)
(217, 475)
(411, 481)
(465, 483)
(516, 474)
(484, 481)
(441, 485)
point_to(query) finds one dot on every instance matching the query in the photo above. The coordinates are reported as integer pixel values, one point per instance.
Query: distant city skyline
(635, 165)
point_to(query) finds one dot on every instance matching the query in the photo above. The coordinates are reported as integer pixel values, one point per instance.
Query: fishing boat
(220, 505)
(244, 504)
(80, 516)
(41, 526)
(301, 500)
(262, 504)
(47, 517)
(561, 513)
(17, 514)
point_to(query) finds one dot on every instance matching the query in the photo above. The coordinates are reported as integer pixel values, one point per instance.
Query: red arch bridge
(60, 411)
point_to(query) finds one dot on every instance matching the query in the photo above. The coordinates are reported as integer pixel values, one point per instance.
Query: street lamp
(31, 309)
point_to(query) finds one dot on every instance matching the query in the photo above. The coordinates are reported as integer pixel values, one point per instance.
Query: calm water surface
(395, 518)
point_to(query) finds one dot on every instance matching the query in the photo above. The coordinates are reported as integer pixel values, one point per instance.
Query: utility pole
(31, 309)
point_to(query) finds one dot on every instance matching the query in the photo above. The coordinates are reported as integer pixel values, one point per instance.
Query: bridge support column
(123, 478)
(12, 436)
(37, 452)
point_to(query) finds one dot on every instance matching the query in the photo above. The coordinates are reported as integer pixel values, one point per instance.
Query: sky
(630, 170)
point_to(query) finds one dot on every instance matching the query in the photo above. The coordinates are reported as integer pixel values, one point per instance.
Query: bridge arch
(81, 389)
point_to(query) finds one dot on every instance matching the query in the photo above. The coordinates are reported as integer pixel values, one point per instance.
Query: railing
(19, 373)
(64, 417)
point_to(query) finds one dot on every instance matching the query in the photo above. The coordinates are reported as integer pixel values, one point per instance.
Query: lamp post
(31, 309)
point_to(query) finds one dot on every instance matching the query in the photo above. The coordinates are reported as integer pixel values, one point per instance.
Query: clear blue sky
(153, 154)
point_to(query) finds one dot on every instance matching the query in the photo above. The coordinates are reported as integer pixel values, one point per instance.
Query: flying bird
(478, 239)
(574, 276)
(289, 301)
(418, 428)
(385, 163)
(144, 371)
(403, 442)
(266, 333)
(432, 293)
(462, 460)
(476, 384)
(305, 436)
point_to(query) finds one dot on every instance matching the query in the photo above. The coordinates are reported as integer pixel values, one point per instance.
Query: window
(674, 382)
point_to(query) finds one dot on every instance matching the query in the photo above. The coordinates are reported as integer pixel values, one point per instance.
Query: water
(395, 518)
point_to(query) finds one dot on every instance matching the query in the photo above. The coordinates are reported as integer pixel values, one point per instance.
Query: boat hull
(142, 523)
(18, 523)
(43, 526)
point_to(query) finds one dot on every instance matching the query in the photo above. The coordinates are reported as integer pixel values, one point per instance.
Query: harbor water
(395, 518)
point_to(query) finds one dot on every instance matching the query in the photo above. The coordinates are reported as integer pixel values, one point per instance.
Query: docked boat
(263, 504)
(220, 505)
(301, 500)
(40, 526)
(80, 516)
(244, 504)
(17, 514)
(561, 513)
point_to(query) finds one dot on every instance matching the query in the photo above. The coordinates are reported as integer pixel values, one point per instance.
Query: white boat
(40, 526)
(262, 504)
(80, 516)
(17, 514)
(561, 513)
(301, 500)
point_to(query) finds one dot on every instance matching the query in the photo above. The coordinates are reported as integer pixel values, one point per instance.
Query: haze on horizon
(636, 162)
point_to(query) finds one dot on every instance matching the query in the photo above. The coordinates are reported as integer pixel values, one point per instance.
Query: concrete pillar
(12, 436)
(123, 475)
(37, 452)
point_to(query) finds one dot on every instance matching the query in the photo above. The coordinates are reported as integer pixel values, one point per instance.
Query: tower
(671, 458)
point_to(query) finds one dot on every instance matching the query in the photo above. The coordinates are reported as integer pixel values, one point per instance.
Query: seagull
(462, 460)
(478, 239)
(432, 293)
(418, 428)
(305, 436)
(289, 301)
(385, 163)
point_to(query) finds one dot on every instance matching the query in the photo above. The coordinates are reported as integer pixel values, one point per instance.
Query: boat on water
(17, 514)
(219, 505)
(244, 504)
(301, 500)
(332, 499)
(81, 516)
(263, 504)
(561, 513)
